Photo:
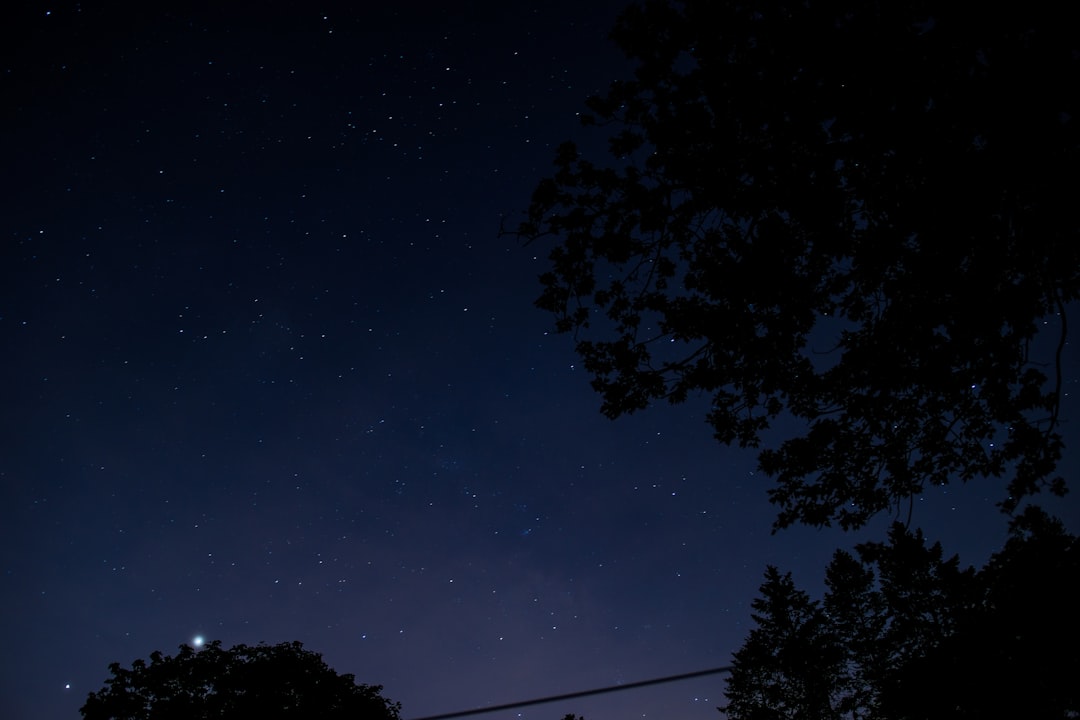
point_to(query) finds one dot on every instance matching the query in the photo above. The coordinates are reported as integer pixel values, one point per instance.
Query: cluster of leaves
(904, 633)
(855, 214)
(263, 681)
(858, 218)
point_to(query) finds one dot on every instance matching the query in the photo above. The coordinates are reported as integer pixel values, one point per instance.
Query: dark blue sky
(269, 372)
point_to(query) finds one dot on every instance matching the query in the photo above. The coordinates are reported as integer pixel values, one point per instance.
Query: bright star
(198, 641)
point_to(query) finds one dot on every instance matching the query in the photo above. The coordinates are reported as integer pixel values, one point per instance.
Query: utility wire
(581, 693)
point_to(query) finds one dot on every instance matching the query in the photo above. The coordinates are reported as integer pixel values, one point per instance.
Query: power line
(580, 693)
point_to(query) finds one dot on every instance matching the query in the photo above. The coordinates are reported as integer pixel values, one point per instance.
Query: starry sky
(269, 372)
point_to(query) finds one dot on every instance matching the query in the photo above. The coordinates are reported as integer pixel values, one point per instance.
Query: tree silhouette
(1010, 651)
(857, 215)
(858, 218)
(262, 681)
(790, 664)
(904, 633)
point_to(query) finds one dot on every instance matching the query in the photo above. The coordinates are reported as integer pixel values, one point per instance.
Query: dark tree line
(857, 217)
(904, 632)
(858, 220)
(261, 681)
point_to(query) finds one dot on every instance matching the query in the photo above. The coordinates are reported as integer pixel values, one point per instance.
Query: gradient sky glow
(269, 373)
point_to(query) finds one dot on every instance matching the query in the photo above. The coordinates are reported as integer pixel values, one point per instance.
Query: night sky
(270, 373)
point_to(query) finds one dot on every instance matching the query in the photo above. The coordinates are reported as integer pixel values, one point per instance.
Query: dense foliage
(858, 215)
(259, 682)
(904, 633)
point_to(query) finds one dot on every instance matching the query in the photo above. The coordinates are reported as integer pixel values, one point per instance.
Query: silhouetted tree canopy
(855, 214)
(258, 682)
(904, 633)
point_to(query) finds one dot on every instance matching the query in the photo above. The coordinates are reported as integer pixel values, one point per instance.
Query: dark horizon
(273, 374)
